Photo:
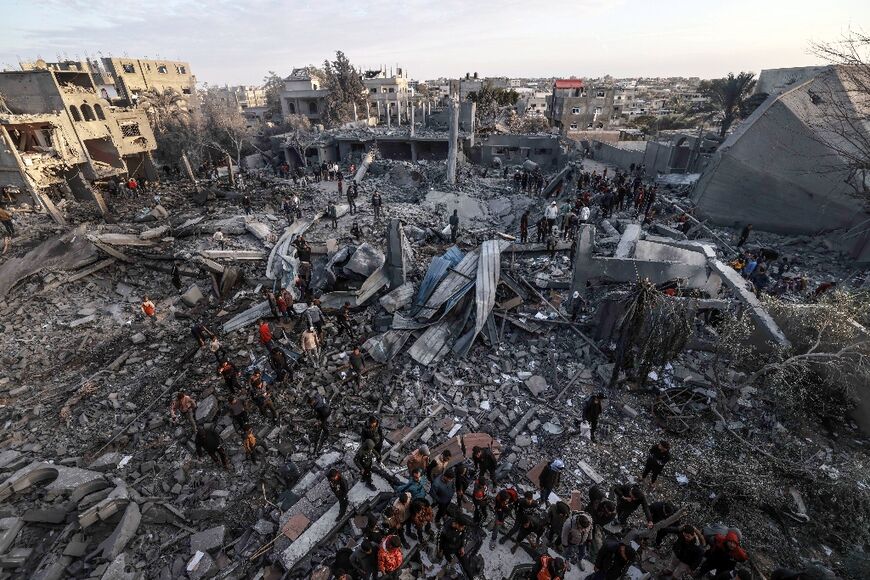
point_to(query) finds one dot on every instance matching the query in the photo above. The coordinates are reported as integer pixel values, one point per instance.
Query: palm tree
(728, 95)
(163, 106)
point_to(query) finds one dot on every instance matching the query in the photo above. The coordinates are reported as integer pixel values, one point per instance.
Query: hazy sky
(237, 41)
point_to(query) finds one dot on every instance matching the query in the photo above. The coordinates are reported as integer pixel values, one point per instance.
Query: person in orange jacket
(390, 556)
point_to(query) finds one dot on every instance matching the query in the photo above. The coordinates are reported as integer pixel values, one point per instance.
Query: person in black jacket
(452, 539)
(555, 567)
(522, 510)
(484, 462)
(373, 431)
(321, 412)
(532, 524)
(365, 560)
(463, 480)
(550, 478)
(339, 487)
(209, 440)
(628, 499)
(688, 552)
(365, 459)
(592, 411)
(659, 454)
(613, 560)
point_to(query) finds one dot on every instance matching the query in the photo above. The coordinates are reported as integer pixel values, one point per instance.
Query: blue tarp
(436, 272)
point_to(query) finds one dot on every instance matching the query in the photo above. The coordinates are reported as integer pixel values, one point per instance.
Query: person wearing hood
(550, 478)
(723, 555)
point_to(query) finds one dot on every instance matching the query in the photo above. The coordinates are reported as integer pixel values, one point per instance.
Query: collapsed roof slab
(588, 267)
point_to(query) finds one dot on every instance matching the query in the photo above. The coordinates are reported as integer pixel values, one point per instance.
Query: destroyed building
(787, 167)
(57, 130)
(303, 94)
(577, 105)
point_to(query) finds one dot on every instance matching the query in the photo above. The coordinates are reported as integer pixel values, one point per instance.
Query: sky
(239, 41)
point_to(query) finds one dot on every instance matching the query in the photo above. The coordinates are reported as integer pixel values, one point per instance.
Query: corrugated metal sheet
(384, 347)
(438, 339)
(455, 279)
(436, 272)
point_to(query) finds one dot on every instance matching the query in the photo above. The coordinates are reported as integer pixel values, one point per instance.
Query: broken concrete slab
(536, 384)
(364, 261)
(58, 479)
(192, 296)
(398, 298)
(627, 242)
(123, 533)
(208, 540)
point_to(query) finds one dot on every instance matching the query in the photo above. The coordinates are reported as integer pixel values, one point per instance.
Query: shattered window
(161, 68)
(575, 111)
(128, 68)
(573, 125)
(130, 129)
(600, 94)
(180, 70)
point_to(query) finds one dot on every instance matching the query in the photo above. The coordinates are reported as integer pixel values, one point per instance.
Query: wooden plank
(123, 240)
(113, 252)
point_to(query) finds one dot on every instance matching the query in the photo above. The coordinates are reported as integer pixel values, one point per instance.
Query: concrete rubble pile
(477, 342)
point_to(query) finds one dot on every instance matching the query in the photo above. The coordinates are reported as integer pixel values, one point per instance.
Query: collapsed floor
(97, 483)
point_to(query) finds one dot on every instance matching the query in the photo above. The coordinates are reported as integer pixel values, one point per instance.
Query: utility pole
(454, 139)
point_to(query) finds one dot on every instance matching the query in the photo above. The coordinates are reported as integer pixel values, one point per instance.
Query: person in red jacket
(723, 554)
(548, 568)
(265, 332)
(390, 556)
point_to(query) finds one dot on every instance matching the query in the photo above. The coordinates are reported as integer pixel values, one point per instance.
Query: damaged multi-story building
(576, 105)
(58, 128)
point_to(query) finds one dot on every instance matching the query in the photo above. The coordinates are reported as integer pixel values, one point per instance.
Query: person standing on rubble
(723, 554)
(443, 491)
(311, 346)
(416, 484)
(377, 203)
(201, 333)
(373, 432)
(209, 440)
(484, 461)
(261, 396)
(555, 518)
(351, 199)
(541, 229)
(577, 537)
(592, 412)
(238, 412)
(480, 501)
(230, 375)
(321, 411)
(357, 366)
(279, 363)
(218, 239)
(343, 321)
(332, 213)
(552, 240)
(419, 458)
(246, 204)
(390, 557)
(454, 226)
(365, 459)
(340, 186)
(524, 227)
(265, 333)
(613, 560)
(656, 458)
(398, 517)
(628, 498)
(338, 485)
(523, 509)
(549, 479)
(504, 503)
(451, 541)
(185, 405)
(250, 444)
(551, 213)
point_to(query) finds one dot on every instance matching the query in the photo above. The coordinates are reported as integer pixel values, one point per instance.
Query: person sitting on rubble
(723, 554)
(148, 308)
(185, 405)
(416, 485)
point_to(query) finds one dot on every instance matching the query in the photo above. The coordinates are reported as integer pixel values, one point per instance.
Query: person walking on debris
(183, 404)
(541, 229)
(480, 500)
(549, 479)
(454, 226)
(343, 320)
(552, 238)
(321, 411)
(462, 476)
(688, 553)
(416, 484)
(246, 204)
(332, 213)
(338, 485)
(484, 462)
(451, 542)
(658, 455)
(211, 442)
(577, 537)
(238, 412)
(592, 412)
(523, 508)
(551, 213)
(373, 432)
(723, 554)
(613, 560)
(548, 568)
(398, 517)
(279, 363)
(148, 308)
(365, 459)
(377, 203)
(744, 235)
(261, 396)
(524, 227)
(265, 333)
(504, 503)
(557, 514)
(230, 374)
(628, 498)
(250, 445)
(218, 239)
(311, 346)
(315, 318)
(351, 200)
(420, 516)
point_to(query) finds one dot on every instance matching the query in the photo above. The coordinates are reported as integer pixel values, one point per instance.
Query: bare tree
(225, 128)
(843, 125)
(300, 136)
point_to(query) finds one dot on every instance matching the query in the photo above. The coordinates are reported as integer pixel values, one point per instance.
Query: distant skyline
(231, 42)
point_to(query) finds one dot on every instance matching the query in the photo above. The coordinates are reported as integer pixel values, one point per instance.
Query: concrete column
(368, 112)
(412, 120)
(473, 116)
(413, 150)
(582, 255)
(453, 144)
(378, 105)
(398, 111)
(389, 119)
